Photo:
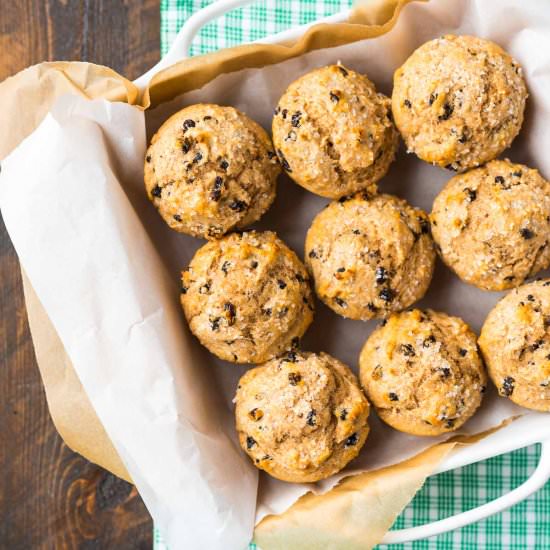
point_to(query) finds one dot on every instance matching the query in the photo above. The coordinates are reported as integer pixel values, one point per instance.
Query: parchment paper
(27, 97)
(106, 268)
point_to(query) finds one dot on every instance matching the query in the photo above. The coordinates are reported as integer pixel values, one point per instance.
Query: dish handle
(539, 477)
(181, 45)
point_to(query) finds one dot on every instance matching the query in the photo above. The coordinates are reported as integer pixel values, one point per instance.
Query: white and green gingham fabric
(527, 525)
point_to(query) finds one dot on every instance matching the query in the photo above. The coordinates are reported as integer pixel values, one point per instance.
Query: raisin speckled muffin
(210, 169)
(515, 342)
(422, 372)
(301, 417)
(370, 255)
(458, 101)
(492, 224)
(247, 297)
(333, 132)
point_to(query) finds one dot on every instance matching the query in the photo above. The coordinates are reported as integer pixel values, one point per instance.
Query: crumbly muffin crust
(422, 372)
(333, 132)
(370, 255)
(459, 101)
(247, 297)
(492, 224)
(210, 169)
(515, 343)
(301, 417)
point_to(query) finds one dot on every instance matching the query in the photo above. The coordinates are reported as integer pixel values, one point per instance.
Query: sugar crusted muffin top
(370, 255)
(422, 372)
(301, 417)
(492, 224)
(515, 343)
(333, 132)
(247, 297)
(459, 101)
(210, 169)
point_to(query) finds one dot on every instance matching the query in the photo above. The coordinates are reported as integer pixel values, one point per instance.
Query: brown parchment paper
(354, 515)
(376, 496)
(29, 95)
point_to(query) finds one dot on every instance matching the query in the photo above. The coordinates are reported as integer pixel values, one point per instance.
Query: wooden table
(50, 497)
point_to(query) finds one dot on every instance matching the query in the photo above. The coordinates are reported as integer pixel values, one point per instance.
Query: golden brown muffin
(458, 101)
(370, 256)
(422, 372)
(492, 224)
(301, 417)
(210, 169)
(333, 132)
(247, 297)
(515, 343)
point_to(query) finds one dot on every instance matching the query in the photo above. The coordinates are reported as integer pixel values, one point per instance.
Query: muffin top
(301, 417)
(333, 132)
(422, 372)
(459, 101)
(247, 297)
(492, 224)
(370, 255)
(515, 343)
(210, 169)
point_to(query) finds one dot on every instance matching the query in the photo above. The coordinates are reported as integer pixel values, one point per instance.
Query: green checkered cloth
(525, 526)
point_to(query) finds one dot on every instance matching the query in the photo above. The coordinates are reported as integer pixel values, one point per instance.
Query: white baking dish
(525, 431)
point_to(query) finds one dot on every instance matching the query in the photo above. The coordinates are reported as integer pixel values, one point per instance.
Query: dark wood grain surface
(50, 497)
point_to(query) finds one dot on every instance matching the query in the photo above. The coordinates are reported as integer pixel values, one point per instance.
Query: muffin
(459, 101)
(333, 132)
(370, 255)
(422, 372)
(515, 343)
(492, 224)
(247, 297)
(210, 169)
(301, 417)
